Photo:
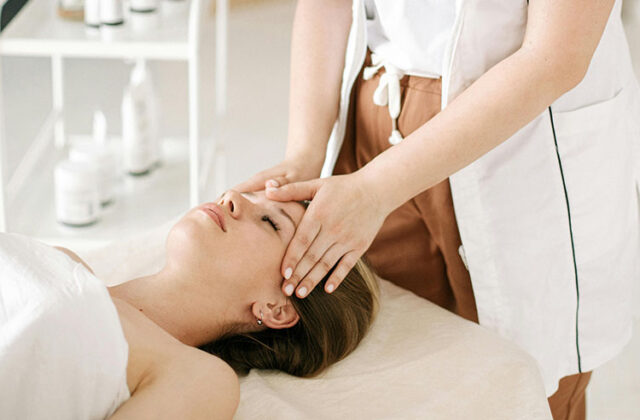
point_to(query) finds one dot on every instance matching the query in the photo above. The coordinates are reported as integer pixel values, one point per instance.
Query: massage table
(418, 361)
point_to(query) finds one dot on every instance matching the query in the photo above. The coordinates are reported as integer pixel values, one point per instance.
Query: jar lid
(94, 154)
(75, 174)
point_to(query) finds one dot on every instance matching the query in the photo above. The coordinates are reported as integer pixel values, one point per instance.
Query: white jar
(69, 9)
(92, 13)
(105, 164)
(143, 6)
(111, 12)
(76, 192)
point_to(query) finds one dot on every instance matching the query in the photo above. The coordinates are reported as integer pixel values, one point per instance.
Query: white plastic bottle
(139, 123)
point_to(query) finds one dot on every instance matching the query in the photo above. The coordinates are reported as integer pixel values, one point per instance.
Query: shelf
(174, 32)
(141, 204)
(38, 31)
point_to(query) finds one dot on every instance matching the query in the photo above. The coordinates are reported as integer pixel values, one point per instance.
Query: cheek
(260, 255)
(248, 259)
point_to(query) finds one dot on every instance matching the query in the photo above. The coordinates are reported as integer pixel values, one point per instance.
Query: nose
(235, 203)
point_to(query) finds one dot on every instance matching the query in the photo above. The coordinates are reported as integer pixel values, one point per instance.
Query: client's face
(235, 246)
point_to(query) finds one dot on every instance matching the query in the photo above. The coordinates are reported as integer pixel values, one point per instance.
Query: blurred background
(250, 135)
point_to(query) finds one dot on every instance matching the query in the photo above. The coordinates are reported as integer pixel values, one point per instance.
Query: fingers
(344, 267)
(311, 258)
(301, 242)
(320, 270)
(296, 191)
(276, 181)
(255, 183)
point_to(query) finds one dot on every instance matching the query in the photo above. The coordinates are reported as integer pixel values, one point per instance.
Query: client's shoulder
(180, 376)
(74, 257)
(205, 385)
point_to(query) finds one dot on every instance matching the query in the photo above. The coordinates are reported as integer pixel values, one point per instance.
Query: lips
(215, 213)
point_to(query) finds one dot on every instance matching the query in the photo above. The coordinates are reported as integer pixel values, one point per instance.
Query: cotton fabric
(63, 354)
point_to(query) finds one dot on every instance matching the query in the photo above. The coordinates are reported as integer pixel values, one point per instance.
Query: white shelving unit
(173, 33)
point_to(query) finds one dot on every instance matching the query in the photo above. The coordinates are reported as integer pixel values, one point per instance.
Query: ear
(276, 315)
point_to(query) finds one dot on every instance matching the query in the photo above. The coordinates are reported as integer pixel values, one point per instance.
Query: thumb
(296, 191)
(255, 183)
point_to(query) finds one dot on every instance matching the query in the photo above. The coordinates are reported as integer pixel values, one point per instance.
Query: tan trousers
(568, 402)
(417, 246)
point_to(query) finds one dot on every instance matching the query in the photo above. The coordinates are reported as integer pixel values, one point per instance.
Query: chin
(186, 240)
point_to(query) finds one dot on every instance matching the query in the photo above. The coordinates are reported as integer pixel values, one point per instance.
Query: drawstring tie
(387, 92)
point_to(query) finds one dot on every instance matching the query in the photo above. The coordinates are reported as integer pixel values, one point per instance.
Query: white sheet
(418, 362)
(63, 354)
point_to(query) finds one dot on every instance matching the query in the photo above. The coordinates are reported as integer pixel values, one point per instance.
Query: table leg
(222, 16)
(3, 157)
(194, 127)
(57, 83)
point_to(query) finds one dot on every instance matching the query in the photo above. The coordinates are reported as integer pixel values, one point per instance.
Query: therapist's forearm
(487, 113)
(560, 40)
(318, 45)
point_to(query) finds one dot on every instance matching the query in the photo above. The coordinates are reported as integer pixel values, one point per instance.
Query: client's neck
(176, 306)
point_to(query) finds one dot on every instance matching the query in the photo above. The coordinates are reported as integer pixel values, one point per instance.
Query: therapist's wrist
(310, 159)
(378, 188)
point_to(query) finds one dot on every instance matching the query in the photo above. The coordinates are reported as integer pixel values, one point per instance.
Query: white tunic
(549, 219)
(63, 354)
(404, 44)
(415, 46)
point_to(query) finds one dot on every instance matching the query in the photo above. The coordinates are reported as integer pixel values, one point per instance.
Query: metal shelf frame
(37, 32)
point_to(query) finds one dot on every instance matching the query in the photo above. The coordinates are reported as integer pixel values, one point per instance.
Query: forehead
(260, 198)
(255, 196)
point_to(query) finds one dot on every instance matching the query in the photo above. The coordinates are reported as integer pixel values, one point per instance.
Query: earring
(260, 320)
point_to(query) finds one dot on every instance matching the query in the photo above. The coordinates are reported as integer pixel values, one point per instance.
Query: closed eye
(273, 224)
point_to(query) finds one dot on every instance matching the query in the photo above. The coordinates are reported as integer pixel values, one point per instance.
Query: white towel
(63, 354)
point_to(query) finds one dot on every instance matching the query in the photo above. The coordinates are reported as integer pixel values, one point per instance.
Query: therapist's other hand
(293, 169)
(338, 227)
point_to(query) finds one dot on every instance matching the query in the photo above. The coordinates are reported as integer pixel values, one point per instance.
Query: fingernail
(289, 289)
(302, 291)
(330, 288)
(287, 273)
(272, 183)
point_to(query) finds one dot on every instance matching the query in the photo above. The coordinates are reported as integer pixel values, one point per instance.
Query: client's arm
(193, 385)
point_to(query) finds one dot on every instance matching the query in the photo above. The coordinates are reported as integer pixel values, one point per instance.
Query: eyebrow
(288, 216)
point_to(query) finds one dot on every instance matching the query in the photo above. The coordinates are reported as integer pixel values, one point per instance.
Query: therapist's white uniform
(549, 219)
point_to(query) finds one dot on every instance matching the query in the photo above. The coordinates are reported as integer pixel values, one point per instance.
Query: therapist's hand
(294, 169)
(339, 225)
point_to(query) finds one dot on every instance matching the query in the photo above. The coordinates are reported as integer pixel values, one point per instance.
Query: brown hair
(331, 326)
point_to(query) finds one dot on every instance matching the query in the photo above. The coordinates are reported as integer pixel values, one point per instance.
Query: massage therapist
(484, 155)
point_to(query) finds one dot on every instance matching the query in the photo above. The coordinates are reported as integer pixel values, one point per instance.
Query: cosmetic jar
(143, 6)
(105, 164)
(70, 9)
(111, 12)
(76, 194)
(92, 13)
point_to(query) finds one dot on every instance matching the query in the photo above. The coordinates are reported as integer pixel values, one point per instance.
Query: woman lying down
(72, 349)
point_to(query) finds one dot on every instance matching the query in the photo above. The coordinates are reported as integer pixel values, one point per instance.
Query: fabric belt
(387, 92)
